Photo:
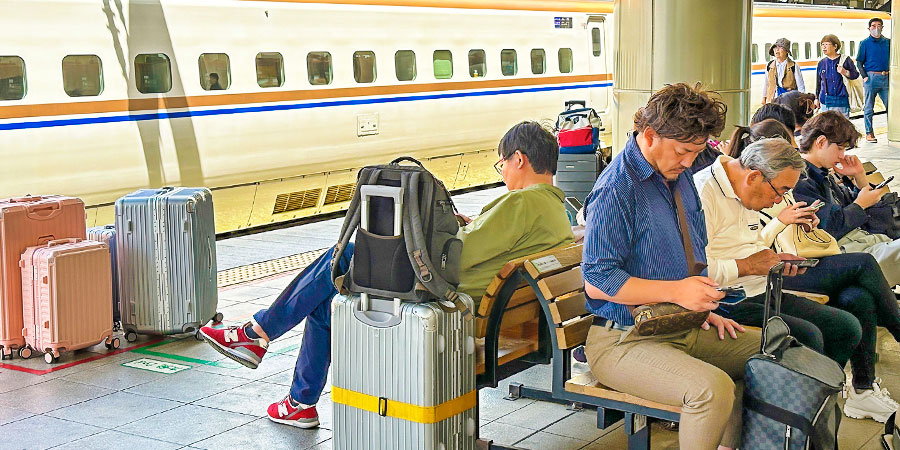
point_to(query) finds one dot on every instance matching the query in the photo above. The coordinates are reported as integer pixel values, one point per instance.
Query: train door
(597, 48)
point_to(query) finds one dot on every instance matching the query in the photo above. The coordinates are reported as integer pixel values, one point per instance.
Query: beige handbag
(815, 243)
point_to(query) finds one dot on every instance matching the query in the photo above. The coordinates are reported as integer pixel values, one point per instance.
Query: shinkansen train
(276, 104)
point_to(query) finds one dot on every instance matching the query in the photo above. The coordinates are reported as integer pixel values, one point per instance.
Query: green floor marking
(146, 351)
(153, 365)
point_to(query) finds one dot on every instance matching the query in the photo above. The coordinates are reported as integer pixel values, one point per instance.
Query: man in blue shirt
(634, 255)
(874, 61)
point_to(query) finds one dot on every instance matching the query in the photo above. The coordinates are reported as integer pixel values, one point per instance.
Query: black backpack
(413, 256)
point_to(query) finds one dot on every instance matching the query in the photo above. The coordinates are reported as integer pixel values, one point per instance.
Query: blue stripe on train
(281, 107)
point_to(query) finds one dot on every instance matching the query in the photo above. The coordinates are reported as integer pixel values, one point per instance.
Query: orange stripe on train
(163, 103)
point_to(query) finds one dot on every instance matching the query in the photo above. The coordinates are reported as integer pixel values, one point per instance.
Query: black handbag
(884, 216)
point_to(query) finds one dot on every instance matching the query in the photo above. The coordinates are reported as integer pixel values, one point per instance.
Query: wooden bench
(534, 312)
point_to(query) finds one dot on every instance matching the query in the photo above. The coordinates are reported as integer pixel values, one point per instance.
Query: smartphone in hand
(883, 183)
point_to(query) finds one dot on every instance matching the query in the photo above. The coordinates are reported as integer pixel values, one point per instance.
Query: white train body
(279, 153)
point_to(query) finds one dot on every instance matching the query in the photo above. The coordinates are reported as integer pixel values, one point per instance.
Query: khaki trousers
(885, 250)
(691, 369)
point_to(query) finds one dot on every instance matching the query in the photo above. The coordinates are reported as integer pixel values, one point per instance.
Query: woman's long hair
(744, 136)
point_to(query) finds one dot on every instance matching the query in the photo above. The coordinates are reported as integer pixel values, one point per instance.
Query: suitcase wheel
(197, 336)
(113, 344)
(7, 353)
(218, 317)
(130, 336)
(49, 358)
(25, 352)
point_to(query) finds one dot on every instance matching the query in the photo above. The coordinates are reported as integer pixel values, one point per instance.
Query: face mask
(876, 33)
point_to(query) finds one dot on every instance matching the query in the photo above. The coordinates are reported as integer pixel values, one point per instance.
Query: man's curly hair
(683, 113)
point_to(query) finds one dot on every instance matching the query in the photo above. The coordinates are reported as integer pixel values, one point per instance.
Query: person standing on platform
(782, 73)
(831, 89)
(874, 60)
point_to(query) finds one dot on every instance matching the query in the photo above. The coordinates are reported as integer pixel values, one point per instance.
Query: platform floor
(179, 393)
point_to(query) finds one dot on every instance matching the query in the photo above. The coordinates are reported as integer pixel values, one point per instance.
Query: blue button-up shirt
(632, 229)
(874, 55)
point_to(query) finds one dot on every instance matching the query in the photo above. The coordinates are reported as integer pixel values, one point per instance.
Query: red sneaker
(295, 416)
(234, 343)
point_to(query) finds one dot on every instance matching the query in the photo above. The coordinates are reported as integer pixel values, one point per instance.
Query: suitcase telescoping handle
(571, 103)
(395, 193)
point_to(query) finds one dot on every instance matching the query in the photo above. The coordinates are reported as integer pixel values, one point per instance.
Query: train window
(82, 75)
(795, 50)
(819, 50)
(596, 45)
(405, 65)
(538, 61)
(269, 69)
(215, 71)
(852, 48)
(318, 68)
(565, 60)
(843, 46)
(754, 53)
(477, 64)
(153, 73)
(808, 48)
(12, 78)
(509, 63)
(767, 55)
(364, 67)
(443, 64)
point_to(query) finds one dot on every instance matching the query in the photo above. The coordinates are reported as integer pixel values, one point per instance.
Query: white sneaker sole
(886, 442)
(295, 423)
(230, 353)
(854, 413)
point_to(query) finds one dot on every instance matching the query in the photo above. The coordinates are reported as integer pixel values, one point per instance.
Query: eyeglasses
(776, 190)
(498, 166)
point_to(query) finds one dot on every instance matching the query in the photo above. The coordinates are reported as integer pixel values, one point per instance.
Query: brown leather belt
(882, 73)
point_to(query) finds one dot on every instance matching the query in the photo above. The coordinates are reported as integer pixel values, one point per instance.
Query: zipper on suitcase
(787, 438)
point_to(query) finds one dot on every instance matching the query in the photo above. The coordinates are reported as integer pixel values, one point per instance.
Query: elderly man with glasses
(732, 192)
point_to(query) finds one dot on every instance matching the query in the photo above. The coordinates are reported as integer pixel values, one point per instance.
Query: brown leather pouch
(664, 318)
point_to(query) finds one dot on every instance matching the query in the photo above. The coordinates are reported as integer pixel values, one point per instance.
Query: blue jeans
(876, 85)
(307, 297)
(845, 110)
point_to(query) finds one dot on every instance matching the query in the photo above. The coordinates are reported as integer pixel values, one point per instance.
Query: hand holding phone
(733, 294)
(884, 183)
(574, 203)
(817, 205)
(809, 262)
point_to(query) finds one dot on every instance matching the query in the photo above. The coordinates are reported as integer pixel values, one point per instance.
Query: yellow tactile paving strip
(265, 269)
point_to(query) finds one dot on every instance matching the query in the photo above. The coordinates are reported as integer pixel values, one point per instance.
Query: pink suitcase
(26, 222)
(66, 297)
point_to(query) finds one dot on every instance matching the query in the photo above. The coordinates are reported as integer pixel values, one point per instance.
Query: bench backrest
(559, 279)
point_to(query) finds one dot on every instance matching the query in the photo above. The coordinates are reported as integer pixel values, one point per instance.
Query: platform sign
(155, 365)
(562, 22)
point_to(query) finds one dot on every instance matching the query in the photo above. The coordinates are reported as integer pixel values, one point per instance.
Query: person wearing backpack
(531, 217)
(833, 75)
(782, 73)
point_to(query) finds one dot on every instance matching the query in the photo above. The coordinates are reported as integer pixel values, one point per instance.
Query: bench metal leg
(487, 444)
(637, 430)
(608, 417)
(519, 390)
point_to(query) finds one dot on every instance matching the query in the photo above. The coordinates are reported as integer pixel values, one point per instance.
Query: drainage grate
(339, 193)
(296, 200)
(264, 269)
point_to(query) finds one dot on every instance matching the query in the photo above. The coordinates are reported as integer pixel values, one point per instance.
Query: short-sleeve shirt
(632, 229)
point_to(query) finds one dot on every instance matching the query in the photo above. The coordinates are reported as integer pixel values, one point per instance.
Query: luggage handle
(44, 211)
(571, 103)
(56, 242)
(407, 159)
(26, 199)
(45, 239)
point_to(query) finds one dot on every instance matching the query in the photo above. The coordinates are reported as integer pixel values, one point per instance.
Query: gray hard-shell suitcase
(107, 235)
(790, 391)
(167, 260)
(389, 370)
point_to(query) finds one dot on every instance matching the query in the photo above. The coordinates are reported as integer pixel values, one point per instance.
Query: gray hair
(770, 156)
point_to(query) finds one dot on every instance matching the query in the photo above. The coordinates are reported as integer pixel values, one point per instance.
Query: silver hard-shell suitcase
(167, 260)
(425, 359)
(403, 374)
(107, 235)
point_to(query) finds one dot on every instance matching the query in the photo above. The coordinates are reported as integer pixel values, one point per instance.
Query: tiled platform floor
(216, 403)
